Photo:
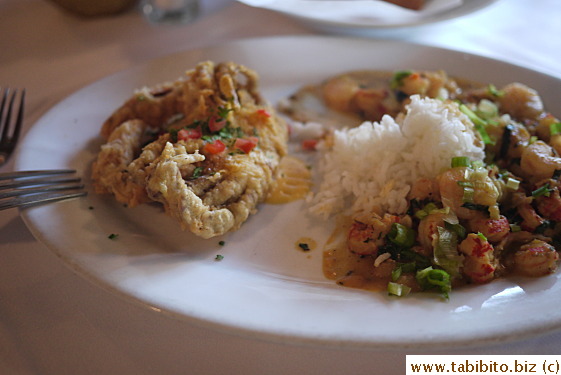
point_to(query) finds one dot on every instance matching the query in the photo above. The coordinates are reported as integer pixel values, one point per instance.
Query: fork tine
(37, 173)
(10, 134)
(25, 188)
(5, 193)
(8, 184)
(19, 119)
(3, 103)
(28, 200)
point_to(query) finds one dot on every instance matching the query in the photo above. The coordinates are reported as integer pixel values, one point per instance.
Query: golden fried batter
(215, 155)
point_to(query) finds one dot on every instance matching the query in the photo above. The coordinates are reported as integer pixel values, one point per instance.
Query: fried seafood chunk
(215, 157)
(111, 174)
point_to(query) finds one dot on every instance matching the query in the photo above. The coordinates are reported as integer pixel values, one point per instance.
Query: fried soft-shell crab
(205, 146)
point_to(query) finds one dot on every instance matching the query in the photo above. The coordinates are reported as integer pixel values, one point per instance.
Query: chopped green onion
(398, 77)
(476, 207)
(555, 128)
(532, 140)
(479, 124)
(456, 228)
(401, 235)
(515, 228)
(487, 109)
(494, 91)
(403, 268)
(542, 191)
(465, 183)
(399, 290)
(512, 183)
(481, 236)
(446, 251)
(430, 278)
(396, 273)
(460, 161)
(478, 121)
(469, 194)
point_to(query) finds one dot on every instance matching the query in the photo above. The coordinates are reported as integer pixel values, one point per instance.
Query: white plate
(264, 287)
(356, 16)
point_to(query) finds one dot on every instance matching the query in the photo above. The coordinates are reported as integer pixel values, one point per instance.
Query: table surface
(53, 321)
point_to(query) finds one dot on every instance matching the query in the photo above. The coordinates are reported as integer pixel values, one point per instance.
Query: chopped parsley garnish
(304, 246)
(113, 236)
(219, 257)
(197, 172)
(221, 243)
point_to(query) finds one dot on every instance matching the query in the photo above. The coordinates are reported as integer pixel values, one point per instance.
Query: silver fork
(10, 132)
(25, 188)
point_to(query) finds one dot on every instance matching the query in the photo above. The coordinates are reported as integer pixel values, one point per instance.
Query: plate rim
(271, 336)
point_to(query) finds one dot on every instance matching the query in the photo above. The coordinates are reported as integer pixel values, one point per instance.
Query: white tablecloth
(55, 322)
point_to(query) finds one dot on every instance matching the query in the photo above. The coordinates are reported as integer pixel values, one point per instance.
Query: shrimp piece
(424, 188)
(512, 140)
(543, 127)
(537, 258)
(550, 206)
(539, 161)
(495, 230)
(154, 106)
(428, 229)
(543, 131)
(368, 234)
(521, 102)
(370, 103)
(339, 92)
(113, 171)
(452, 194)
(480, 263)
(414, 83)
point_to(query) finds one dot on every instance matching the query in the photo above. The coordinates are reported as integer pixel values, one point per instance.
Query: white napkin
(356, 12)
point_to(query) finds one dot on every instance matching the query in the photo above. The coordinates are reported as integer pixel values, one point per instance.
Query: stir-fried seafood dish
(205, 146)
(444, 183)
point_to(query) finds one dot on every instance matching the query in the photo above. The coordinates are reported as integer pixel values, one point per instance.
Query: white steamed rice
(372, 166)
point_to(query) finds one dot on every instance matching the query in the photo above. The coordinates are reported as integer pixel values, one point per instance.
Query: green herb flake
(555, 128)
(398, 290)
(113, 236)
(542, 191)
(221, 243)
(304, 246)
(197, 172)
(492, 90)
(219, 257)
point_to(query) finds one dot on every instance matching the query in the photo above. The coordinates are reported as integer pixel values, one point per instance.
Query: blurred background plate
(363, 16)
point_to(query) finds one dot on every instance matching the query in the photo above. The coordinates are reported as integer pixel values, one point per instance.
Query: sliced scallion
(515, 228)
(399, 290)
(468, 196)
(401, 235)
(460, 161)
(430, 278)
(542, 191)
(555, 128)
(512, 183)
(494, 91)
(397, 79)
